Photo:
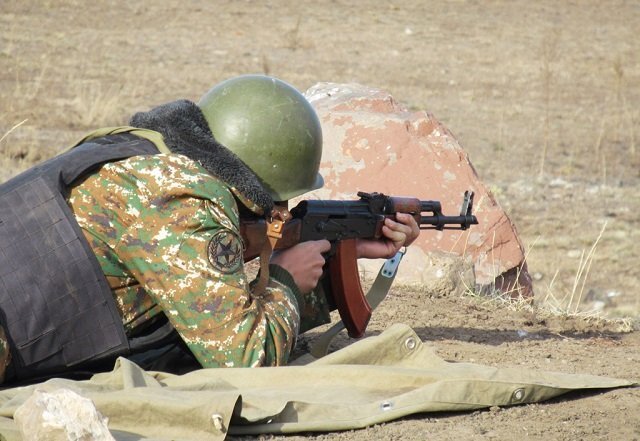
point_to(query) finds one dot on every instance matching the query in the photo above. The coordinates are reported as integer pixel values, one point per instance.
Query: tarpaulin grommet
(518, 394)
(410, 343)
(218, 422)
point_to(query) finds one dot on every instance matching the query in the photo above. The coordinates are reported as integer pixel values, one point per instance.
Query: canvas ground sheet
(374, 380)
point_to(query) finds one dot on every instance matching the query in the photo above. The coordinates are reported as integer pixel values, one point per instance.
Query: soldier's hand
(304, 262)
(397, 234)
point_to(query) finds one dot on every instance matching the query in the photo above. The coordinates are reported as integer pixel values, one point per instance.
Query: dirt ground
(544, 96)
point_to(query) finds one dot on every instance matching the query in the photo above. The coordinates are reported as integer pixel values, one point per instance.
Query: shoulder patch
(225, 252)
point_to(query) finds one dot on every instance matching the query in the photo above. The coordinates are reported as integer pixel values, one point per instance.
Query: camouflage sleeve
(313, 307)
(199, 282)
(5, 355)
(184, 248)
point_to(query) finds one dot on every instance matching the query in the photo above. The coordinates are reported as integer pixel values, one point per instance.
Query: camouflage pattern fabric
(166, 234)
(5, 356)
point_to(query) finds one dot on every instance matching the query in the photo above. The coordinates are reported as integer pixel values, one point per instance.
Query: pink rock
(373, 143)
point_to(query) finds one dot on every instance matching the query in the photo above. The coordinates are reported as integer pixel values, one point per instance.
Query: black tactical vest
(55, 303)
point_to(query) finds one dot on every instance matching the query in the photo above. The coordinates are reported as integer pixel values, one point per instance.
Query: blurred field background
(544, 96)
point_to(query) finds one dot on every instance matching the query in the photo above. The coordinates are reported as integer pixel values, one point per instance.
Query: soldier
(128, 244)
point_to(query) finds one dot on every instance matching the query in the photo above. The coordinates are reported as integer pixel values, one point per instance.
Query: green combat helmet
(272, 128)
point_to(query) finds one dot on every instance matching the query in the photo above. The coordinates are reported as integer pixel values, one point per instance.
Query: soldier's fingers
(322, 246)
(397, 226)
(397, 236)
(413, 229)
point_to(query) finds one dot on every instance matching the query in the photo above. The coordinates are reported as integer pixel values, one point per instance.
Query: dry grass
(564, 108)
(549, 55)
(11, 130)
(567, 304)
(570, 303)
(550, 309)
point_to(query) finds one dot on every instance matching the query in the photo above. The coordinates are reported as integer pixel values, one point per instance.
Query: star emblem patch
(225, 252)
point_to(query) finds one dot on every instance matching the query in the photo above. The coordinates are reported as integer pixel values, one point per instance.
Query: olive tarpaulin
(374, 380)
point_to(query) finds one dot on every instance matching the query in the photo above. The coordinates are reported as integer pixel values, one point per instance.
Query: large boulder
(372, 143)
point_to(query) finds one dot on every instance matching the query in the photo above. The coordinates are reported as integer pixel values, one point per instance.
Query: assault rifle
(341, 223)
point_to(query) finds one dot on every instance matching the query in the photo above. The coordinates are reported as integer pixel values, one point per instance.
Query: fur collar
(186, 132)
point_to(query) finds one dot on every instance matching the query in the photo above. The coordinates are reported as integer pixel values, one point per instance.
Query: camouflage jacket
(166, 234)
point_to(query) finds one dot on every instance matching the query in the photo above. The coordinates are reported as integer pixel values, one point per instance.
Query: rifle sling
(279, 216)
(375, 296)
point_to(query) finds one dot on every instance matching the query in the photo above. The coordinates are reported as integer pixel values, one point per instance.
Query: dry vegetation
(544, 96)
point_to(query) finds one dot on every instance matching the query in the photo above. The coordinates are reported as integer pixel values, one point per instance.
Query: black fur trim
(186, 132)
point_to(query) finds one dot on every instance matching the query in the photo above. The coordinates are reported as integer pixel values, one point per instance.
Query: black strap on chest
(55, 303)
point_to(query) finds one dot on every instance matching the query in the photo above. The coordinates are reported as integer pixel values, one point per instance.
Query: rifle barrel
(440, 222)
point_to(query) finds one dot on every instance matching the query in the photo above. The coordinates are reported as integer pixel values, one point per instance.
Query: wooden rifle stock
(344, 278)
(352, 304)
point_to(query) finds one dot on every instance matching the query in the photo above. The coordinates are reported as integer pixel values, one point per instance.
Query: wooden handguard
(353, 307)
